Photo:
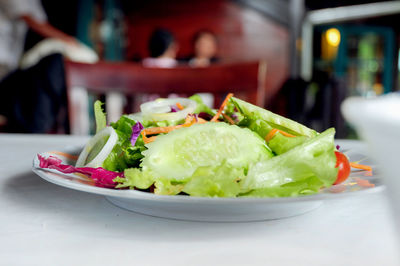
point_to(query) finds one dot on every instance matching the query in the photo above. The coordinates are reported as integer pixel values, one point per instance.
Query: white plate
(221, 209)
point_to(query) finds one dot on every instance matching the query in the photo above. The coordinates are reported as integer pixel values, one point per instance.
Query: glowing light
(333, 37)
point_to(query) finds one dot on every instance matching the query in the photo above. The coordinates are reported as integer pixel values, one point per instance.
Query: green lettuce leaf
(303, 187)
(124, 155)
(259, 126)
(166, 123)
(280, 144)
(222, 181)
(201, 106)
(262, 121)
(164, 186)
(135, 178)
(296, 170)
(99, 116)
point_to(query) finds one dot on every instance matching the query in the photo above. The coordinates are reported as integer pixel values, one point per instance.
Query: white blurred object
(377, 121)
(208, 99)
(75, 52)
(114, 108)
(80, 104)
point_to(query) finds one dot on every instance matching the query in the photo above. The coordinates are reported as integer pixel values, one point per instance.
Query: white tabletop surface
(44, 224)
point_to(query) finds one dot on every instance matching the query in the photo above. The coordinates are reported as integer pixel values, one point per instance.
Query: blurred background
(310, 55)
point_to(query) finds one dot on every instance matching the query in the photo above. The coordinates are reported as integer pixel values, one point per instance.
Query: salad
(181, 146)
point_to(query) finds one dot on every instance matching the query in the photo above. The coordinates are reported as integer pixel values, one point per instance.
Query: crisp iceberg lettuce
(302, 187)
(221, 181)
(301, 170)
(262, 121)
(280, 144)
(135, 178)
(201, 106)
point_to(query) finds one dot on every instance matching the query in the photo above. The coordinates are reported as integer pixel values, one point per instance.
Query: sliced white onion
(160, 109)
(104, 152)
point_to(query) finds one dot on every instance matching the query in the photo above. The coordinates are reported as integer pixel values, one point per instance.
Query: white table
(44, 224)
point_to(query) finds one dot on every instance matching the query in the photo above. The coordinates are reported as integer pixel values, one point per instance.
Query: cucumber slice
(178, 154)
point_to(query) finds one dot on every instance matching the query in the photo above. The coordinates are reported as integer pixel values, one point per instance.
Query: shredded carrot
(286, 134)
(179, 105)
(86, 180)
(221, 108)
(363, 182)
(146, 139)
(66, 155)
(338, 188)
(272, 133)
(368, 173)
(189, 121)
(151, 139)
(158, 130)
(229, 119)
(361, 166)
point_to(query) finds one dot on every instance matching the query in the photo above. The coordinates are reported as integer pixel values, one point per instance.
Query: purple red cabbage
(235, 118)
(136, 129)
(101, 176)
(195, 117)
(174, 109)
(337, 147)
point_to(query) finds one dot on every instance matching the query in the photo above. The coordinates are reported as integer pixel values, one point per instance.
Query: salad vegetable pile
(181, 146)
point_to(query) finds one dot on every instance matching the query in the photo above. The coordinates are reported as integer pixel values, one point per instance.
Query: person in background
(205, 47)
(16, 16)
(163, 49)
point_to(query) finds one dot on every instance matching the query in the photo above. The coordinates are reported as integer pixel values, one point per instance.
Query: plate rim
(141, 195)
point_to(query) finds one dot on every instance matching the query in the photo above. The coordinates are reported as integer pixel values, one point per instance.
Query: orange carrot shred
(66, 155)
(363, 182)
(286, 134)
(189, 121)
(151, 139)
(86, 180)
(179, 105)
(221, 108)
(229, 119)
(158, 130)
(272, 133)
(361, 166)
(146, 139)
